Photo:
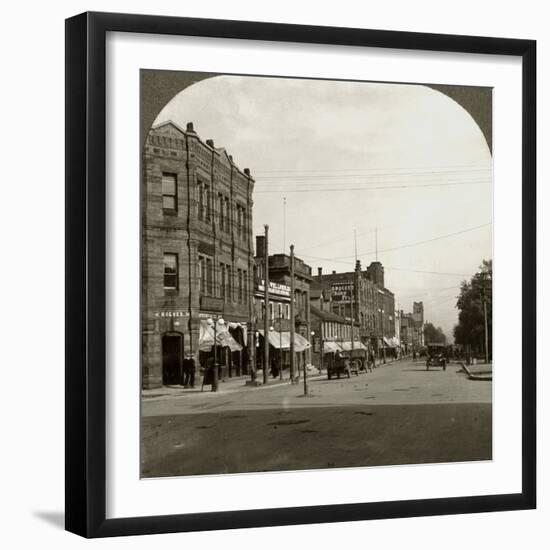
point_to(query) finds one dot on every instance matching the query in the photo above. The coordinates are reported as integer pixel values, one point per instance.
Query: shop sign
(210, 303)
(342, 292)
(277, 289)
(171, 314)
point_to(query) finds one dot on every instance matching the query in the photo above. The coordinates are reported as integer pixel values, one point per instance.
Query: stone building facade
(197, 253)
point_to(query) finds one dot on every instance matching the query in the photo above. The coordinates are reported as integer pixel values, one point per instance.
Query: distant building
(412, 327)
(361, 295)
(197, 251)
(330, 328)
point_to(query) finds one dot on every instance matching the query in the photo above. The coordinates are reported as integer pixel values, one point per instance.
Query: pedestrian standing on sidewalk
(189, 371)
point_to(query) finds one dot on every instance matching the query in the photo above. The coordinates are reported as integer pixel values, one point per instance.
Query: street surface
(398, 414)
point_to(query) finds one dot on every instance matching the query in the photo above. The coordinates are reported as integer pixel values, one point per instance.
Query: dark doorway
(172, 355)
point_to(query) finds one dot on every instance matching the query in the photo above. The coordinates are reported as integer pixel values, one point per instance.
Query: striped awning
(223, 337)
(389, 343)
(331, 347)
(346, 346)
(281, 340)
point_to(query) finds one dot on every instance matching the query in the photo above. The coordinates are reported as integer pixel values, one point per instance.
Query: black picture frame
(86, 278)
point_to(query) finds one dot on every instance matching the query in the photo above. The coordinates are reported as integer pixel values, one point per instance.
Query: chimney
(319, 271)
(210, 143)
(231, 158)
(334, 271)
(260, 246)
(190, 127)
(247, 171)
(357, 265)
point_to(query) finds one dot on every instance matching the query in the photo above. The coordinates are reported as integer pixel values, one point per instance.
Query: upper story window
(227, 223)
(169, 191)
(171, 271)
(204, 201)
(200, 191)
(223, 281)
(240, 286)
(208, 204)
(241, 221)
(221, 201)
(206, 275)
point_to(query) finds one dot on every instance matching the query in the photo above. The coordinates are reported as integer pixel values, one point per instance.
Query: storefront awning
(346, 346)
(388, 342)
(242, 327)
(396, 342)
(331, 347)
(223, 338)
(281, 340)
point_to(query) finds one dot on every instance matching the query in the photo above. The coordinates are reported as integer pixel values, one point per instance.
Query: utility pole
(292, 284)
(284, 224)
(281, 356)
(486, 331)
(485, 326)
(321, 346)
(266, 304)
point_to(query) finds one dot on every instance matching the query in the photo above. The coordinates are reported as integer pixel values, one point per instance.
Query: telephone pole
(266, 304)
(284, 224)
(292, 313)
(485, 325)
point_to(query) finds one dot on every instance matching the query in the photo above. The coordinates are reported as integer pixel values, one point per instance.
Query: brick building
(361, 295)
(197, 251)
(329, 328)
(279, 294)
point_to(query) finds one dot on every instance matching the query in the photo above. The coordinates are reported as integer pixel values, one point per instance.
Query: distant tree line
(474, 295)
(433, 334)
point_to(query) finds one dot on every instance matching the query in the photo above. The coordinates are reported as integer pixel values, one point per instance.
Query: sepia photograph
(316, 275)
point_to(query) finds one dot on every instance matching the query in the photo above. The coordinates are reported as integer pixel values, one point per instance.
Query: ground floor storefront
(173, 340)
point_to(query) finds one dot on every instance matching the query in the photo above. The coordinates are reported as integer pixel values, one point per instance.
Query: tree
(476, 294)
(433, 335)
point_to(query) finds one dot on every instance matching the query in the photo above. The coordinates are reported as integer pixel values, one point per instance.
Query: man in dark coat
(189, 371)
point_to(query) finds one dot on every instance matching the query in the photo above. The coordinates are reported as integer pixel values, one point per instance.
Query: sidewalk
(231, 385)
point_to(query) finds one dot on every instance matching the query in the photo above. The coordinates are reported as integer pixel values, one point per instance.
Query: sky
(395, 168)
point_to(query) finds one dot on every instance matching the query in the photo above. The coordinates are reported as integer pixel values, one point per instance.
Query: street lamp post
(321, 346)
(213, 322)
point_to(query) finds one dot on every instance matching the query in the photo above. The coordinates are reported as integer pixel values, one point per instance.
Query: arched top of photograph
(356, 170)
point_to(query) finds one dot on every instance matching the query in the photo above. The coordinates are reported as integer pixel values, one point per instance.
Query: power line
(383, 187)
(427, 272)
(408, 245)
(322, 175)
(334, 241)
(280, 170)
